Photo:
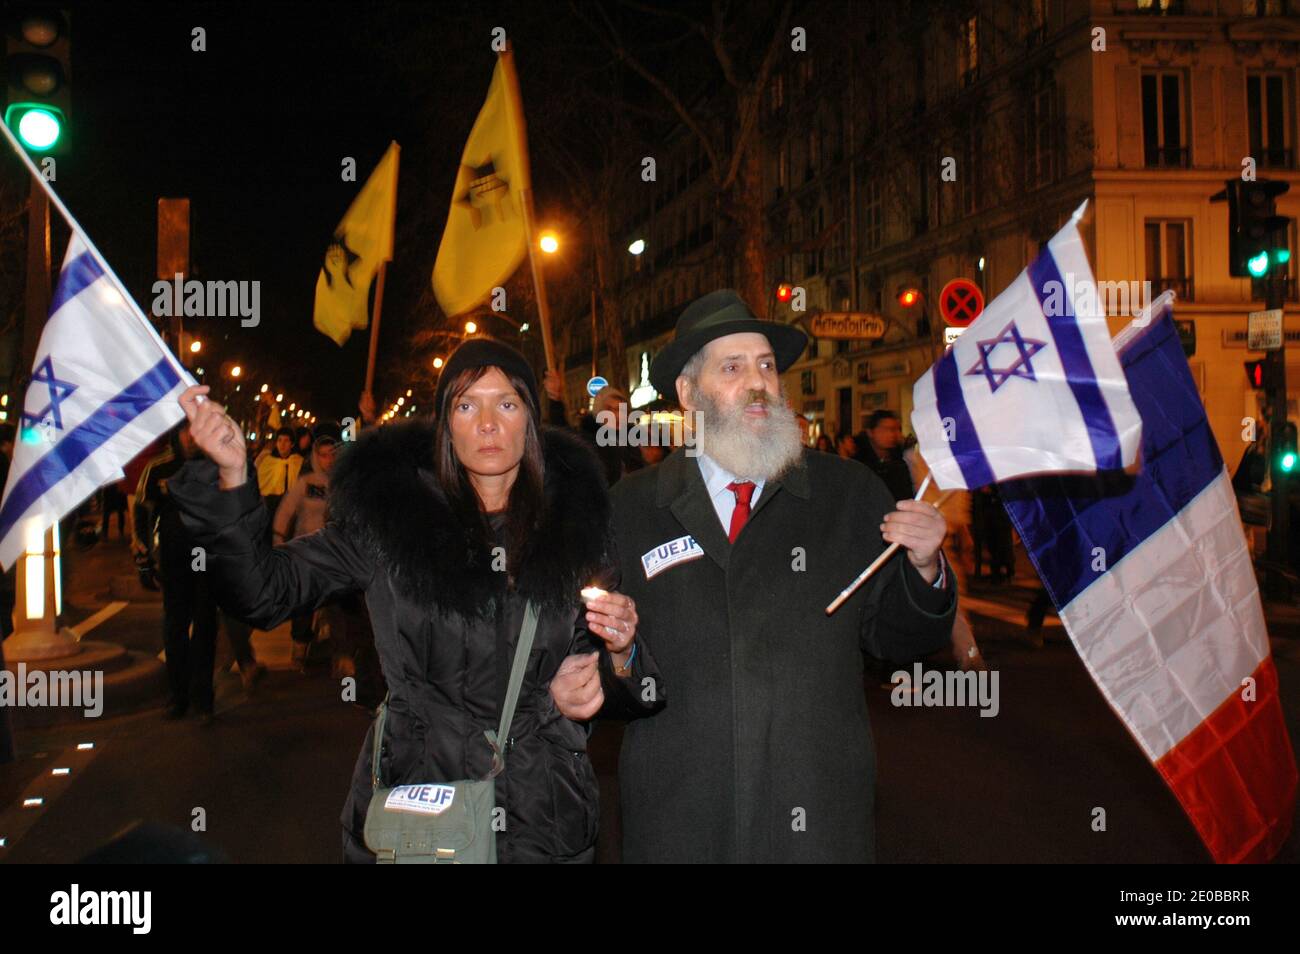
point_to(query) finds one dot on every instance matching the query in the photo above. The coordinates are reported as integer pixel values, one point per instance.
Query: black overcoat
(445, 622)
(763, 752)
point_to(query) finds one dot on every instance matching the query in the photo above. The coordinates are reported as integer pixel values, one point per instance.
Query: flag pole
(94, 251)
(507, 59)
(879, 561)
(383, 271)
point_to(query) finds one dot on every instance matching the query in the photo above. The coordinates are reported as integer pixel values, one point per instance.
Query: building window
(1263, 8)
(1169, 257)
(1160, 7)
(1269, 116)
(1164, 126)
(1042, 136)
(969, 174)
(970, 49)
(872, 221)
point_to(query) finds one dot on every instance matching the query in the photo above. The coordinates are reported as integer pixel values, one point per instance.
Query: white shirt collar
(716, 478)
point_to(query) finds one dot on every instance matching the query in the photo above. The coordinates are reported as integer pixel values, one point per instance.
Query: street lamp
(549, 243)
(279, 398)
(637, 247)
(470, 327)
(196, 347)
(236, 371)
(264, 388)
(437, 363)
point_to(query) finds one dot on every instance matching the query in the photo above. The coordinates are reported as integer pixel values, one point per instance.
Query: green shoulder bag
(444, 822)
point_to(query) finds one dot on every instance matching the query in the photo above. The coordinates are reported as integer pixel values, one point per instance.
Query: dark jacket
(616, 460)
(763, 752)
(155, 509)
(445, 625)
(892, 470)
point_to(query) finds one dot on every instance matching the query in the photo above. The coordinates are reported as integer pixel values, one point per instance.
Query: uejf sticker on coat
(422, 799)
(670, 554)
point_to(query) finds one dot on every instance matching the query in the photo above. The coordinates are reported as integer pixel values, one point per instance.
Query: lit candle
(590, 593)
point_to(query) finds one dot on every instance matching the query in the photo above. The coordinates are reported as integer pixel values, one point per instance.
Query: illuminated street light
(637, 247)
(549, 243)
(292, 406)
(196, 347)
(236, 371)
(408, 392)
(437, 362)
(279, 398)
(470, 327)
(264, 388)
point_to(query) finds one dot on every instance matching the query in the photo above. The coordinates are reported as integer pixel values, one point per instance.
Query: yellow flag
(362, 241)
(485, 238)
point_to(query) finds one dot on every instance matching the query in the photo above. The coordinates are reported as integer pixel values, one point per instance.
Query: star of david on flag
(1033, 385)
(103, 387)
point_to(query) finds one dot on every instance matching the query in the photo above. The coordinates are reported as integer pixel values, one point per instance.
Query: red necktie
(743, 490)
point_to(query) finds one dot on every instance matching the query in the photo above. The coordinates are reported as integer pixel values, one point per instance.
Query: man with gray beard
(733, 548)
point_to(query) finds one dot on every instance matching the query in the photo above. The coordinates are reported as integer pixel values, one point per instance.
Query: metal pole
(1279, 526)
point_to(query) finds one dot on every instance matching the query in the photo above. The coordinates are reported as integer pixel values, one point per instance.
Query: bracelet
(627, 667)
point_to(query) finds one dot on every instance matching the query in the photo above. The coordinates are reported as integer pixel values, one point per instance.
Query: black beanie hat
(484, 352)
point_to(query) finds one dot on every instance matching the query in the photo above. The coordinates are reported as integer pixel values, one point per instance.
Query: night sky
(254, 131)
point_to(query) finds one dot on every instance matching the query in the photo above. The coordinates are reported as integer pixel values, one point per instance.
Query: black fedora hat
(716, 315)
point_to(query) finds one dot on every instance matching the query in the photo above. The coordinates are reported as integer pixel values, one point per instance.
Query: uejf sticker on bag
(670, 554)
(422, 799)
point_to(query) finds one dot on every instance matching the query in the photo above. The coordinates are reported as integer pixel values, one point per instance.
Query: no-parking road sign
(960, 302)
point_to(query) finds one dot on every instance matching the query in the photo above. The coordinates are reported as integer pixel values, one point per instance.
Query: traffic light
(1286, 450)
(37, 59)
(908, 296)
(1257, 374)
(1257, 235)
(783, 292)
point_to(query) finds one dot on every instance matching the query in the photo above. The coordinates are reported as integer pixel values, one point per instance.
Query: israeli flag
(103, 387)
(1033, 385)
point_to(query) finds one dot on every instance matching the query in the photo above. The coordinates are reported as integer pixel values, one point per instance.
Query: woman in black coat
(448, 529)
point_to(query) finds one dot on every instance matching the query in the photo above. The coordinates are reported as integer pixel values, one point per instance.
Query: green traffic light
(1288, 461)
(1281, 255)
(1257, 265)
(39, 127)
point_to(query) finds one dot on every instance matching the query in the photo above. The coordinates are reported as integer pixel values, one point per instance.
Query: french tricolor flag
(1154, 584)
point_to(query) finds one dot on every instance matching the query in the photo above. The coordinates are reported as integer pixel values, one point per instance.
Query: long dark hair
(526, 502)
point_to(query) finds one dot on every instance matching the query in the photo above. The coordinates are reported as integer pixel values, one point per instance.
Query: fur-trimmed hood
(384, 494)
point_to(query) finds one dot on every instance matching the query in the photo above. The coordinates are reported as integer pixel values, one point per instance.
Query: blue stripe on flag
(951, 404)
(1078, 367)
(78, 275)
(86, 438)
(1061, 519)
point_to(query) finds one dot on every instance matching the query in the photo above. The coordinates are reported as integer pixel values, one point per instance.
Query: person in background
(881, 451)
(188, 600)
(804, 427)
(7, 581)
(846, 446)
(617, 459)
(302, 511)
(825, 444)
(954, 507)
(302, 447)
(277, 468)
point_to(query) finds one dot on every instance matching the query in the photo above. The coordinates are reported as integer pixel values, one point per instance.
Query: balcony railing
(1167, 157)
(1183, 287)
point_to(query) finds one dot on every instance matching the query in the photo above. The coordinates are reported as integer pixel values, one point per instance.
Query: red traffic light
(907, 297)
(1255, 373)
(783, 292)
